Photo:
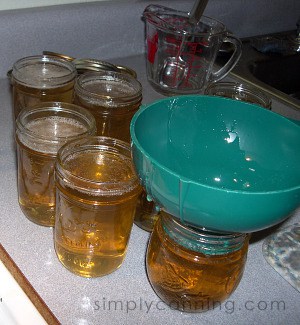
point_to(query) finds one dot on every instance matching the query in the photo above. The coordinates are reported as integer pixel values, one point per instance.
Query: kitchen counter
(125, 296)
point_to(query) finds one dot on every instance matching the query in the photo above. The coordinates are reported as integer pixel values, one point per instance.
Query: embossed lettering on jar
(193, 270)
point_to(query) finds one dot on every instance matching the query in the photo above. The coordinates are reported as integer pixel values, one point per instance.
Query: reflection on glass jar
(146, 212)
(193, 270)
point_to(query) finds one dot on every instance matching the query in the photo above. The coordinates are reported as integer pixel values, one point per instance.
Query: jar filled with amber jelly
(96, 193)
(191, 269)
(112, 97)
(42, 78)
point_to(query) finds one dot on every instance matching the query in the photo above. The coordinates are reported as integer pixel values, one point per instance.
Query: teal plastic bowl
(218, 163)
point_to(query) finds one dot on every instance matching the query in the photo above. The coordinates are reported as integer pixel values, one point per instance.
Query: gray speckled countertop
(125, 296)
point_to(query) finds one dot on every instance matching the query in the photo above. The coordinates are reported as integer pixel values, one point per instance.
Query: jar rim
(118, 77)
(87, 185)
(237, 87)
(49, 110)
(43, 80)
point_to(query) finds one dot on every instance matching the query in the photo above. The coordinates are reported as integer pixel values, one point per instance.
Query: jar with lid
(192, 269)
(112, 97)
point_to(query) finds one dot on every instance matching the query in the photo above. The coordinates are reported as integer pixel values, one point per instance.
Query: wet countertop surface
(125, 296)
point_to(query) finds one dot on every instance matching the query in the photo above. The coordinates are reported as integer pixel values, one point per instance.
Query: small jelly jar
(191, 269)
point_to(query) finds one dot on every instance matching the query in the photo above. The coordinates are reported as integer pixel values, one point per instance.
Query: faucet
(284, 45)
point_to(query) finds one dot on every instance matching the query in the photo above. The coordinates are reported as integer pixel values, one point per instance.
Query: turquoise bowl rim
(134, 141)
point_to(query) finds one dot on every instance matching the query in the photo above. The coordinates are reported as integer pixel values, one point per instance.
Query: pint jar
(96, 194)
(42, 78)
(194, 270)
(40, 132)
(239, 91)
(112, 98)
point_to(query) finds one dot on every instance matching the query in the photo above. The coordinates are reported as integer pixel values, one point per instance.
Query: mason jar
(40, 132)
(191, 269)
(96, 194)
(239, 91)
(42, 78)
(112, 97)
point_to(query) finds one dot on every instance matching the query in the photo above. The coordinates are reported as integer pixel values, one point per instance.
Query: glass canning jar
(40, 132)
(96, 194)
(112, 97)
(42, 78)
(194, 270)
(239, 91)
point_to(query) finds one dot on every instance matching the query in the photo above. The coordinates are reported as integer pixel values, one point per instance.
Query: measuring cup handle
(233, 60)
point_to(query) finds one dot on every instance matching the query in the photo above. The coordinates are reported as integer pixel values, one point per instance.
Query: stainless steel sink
(269, 64)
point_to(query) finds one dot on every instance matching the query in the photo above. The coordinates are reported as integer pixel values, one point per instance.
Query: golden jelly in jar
(193, 270)
(42, 78)
(96, 195)
(112, 97)
(40, 132)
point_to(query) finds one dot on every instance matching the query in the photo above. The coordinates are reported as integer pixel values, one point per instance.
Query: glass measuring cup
(180, 55)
